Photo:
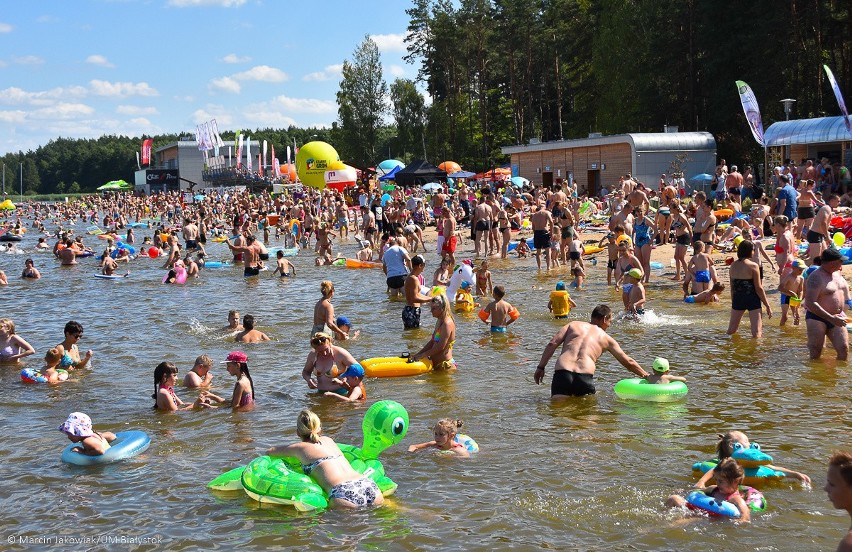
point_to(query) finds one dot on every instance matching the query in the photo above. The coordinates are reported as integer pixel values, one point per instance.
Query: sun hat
(236, 356)
(78, 424)
(635, 273)
(661, 364)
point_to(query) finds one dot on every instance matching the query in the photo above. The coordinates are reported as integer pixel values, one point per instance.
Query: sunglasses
(318, 340)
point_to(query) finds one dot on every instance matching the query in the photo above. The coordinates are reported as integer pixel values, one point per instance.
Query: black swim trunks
(683, 239)
(811, 316)
(410, 317)
(814, 237)
(396, 282)
(264, 256)
(482, 225)
(572, 384)
(251, 271)
(541, 239)
(610, 264)
(191, 244)
(574, 255)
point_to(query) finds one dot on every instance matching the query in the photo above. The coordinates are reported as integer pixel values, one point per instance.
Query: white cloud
(16, 95)
(28, 60)
(184, 98)
(330, 72)
(97, 59)
(135, 110)
(217, 112)
(262, 73)
(121, 89)
(225, 84)
(268, 118)
(5, 28)
(13, 117)
(396, 71)
(140, 122)
(301, 105)
(204, 3)
(62, 111)
(390, 42)
(234, 58)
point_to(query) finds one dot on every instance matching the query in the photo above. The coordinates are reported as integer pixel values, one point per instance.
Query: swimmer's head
(465, 284)
(661, 365)
(354, 371)
(343, 321)
(78, 425)
(718, 287)
(728, 471)
(53, 356)
(725, 446)
(447, 426)
(560, 286)
(499, 292)
(308, 426)
(635, 273)
(279, 254)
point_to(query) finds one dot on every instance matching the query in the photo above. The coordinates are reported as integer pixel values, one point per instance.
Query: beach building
(181, 166)
(801, 139)
(596, 162)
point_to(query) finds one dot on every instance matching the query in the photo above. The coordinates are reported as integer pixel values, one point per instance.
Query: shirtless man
(481, 223)
(109, 266)
(493, 234)
(638, 198)
(413, 297)
(582, 345)
(249, 334)
(818, 234)
(448, 249)
(68, 255)
(542, 226)
(368, 225)
(250, 254)
(826, 291)
(190, 234)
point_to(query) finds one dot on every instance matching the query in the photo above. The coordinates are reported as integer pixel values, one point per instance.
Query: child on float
(78, 428)
(483, 280)
(445, 434)
(199, 375)
(501, 312)
(243, 395)
(633, 292)
(52, 358)
(523, 250)
(166, 400)
(707, 296)
(351, 380)
(282, 266)
(579, 277)
(725, 448)
(792, 288)
(729, 477)
(660, 373)
(560, 303)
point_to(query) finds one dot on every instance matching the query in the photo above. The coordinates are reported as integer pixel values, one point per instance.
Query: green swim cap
(661, 364)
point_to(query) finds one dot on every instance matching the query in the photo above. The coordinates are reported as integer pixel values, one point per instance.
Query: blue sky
(82, 69)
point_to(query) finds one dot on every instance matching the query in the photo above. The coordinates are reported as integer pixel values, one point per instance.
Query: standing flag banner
(137, 161)
(249, 160)
(752, 111)
(218, 138)
(240, 151)
(839, 96)
(288, 155)
(147, 145)
(276, 166)
(263, 162)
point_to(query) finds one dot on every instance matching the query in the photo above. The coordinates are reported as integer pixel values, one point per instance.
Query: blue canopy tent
(391, 175)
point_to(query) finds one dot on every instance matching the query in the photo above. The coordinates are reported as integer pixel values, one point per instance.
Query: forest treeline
(501, 72)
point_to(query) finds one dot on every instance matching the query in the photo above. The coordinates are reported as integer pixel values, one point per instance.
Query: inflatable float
(111, 276)
(126, 445)
(28, 375)
(10, 238)
(286, 251)
(395, 367)
(592, 249)
(217, 264)
(640, 389)
(281, 480)
(461, 273)
(467, 442)
(754, 462)
(699, 500)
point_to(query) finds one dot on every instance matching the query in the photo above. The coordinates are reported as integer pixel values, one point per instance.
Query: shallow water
(590, 474)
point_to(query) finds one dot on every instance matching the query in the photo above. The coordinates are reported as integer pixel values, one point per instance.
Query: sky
(88, 68)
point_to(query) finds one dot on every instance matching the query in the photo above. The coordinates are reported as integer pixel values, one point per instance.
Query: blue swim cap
(342, 321)
(689, 299)
(354, 370)
(560, 286)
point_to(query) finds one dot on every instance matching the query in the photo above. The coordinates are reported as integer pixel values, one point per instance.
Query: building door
(594, 183)
(547, 179)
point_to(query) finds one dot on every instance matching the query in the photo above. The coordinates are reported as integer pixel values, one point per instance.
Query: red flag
(146, 151)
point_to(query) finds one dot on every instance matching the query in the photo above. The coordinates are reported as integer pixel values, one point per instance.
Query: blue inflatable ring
(126, 444)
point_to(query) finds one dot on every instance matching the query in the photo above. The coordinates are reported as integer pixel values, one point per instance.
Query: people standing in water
(826, 293)
(413, 297)
(70, 352)
(165, 398)
(233, 322)
(747, 292)
(439, 348)
(12, 346)
(324, 313)
(323, 460)
(500, 312)
(199, 375)
(582, 343)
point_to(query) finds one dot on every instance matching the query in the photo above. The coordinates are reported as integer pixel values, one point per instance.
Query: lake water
(590, 474)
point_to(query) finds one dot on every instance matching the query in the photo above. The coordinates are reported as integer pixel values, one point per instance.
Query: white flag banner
(218, 139)
(249, 164)
(839, 95)
(752, 111)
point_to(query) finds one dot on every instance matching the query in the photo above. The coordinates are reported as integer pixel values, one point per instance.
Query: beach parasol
(703, 177)
(432, 186)
(461, 174)
(519, 181)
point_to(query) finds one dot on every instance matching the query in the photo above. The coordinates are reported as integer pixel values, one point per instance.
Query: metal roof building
(812, 139)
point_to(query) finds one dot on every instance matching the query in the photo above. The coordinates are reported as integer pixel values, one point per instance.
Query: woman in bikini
(505, 232)
(683, 237)
(567, 231)
(70, 353)
(12, 346)
(785, 245)
(323, 460)
(325, 363)
(806, 208)
(439, 348)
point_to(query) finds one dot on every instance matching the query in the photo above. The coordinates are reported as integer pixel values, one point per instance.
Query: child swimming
(729, 477)
(51, 362)
(660, 373)
(78, 428)
(707, 296)
(725, 448)
(445, 431)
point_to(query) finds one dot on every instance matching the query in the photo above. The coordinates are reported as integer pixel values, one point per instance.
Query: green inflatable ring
(639, 389)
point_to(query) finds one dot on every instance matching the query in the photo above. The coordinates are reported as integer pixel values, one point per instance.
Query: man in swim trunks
(542, 226)
(190, 234)
(819, 234)
(251, 255)
(482, 216)
(396, 265)
(826, 292)
(583, 343)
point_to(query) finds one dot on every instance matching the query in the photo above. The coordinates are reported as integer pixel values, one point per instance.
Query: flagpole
(766, 169)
